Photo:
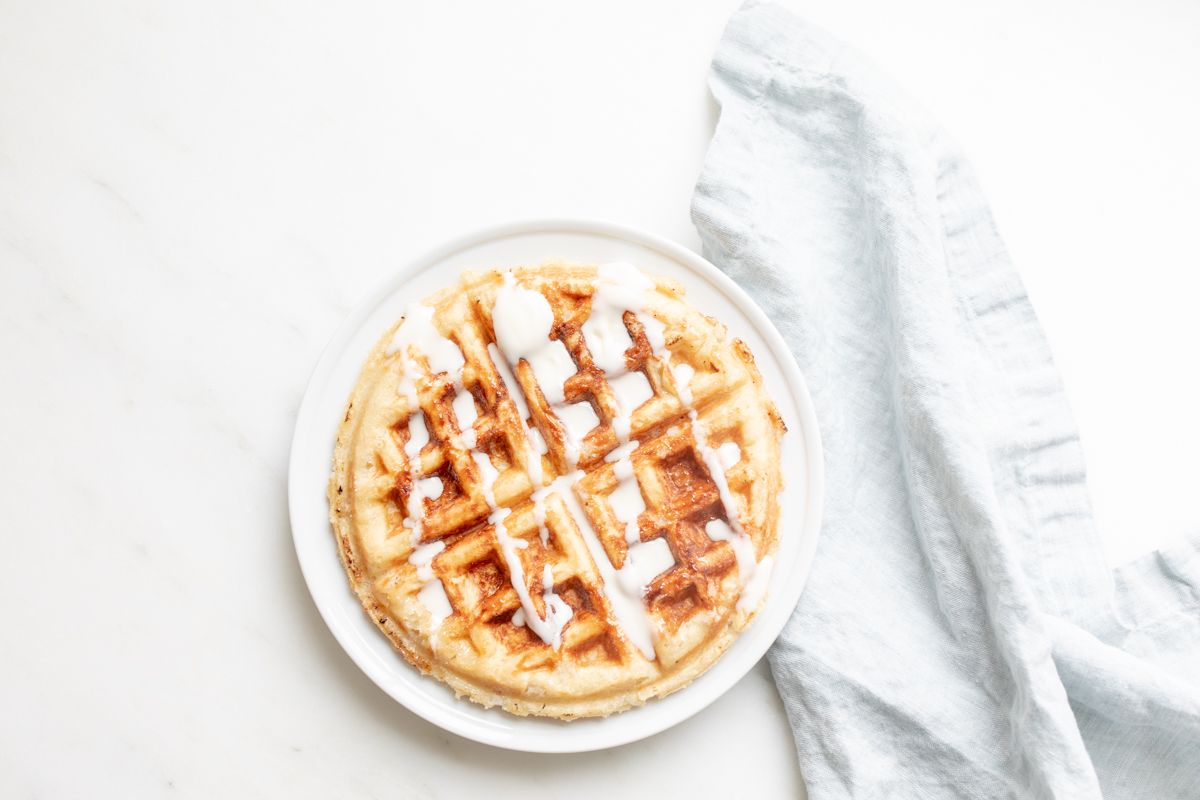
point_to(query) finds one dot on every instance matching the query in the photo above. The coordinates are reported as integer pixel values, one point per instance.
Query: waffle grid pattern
(679, 494)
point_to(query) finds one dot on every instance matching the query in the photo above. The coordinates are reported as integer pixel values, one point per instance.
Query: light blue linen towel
(960, 634)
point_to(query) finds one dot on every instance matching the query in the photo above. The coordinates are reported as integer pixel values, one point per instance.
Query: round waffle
(555, 488)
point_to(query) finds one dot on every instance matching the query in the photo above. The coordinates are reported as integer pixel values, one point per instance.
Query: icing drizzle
(523, 321)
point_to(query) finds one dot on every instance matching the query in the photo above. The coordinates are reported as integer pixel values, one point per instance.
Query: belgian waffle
(555, 488)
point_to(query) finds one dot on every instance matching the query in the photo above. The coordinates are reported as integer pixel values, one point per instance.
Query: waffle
(555, 488)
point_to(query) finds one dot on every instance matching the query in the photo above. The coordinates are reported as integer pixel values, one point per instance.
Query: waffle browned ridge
(556, 488)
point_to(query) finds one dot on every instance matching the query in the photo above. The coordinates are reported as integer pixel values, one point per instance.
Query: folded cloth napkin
(960, 634)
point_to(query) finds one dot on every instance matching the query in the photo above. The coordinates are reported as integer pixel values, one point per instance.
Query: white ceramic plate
(324, 401)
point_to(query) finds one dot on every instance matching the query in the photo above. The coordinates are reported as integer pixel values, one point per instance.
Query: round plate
(530, 243)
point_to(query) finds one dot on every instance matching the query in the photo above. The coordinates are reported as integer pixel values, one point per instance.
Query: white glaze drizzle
(729, 454)
(683, 377)
(538, 441)
(621, 453)
(620, 287)
(643, 563)
(464, 408)
(418, 437)
(418, 330)
(716, 471)
(539, 516)
(743, 549)
(656, 332)
(558, 613)
(616, 292)
(624, 588)
(604, 330)
(577, 420)
(417, 336)
(422, 558)
(433, 596)
(522, 319)
(418, 434)
(630, 391)
(717, 460)
(537, 445)
(628, 609)
(467, 440)
(627, 504)
(430, 487)
(510, 381)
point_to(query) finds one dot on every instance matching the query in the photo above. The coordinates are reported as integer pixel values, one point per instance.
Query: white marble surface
(193, 195)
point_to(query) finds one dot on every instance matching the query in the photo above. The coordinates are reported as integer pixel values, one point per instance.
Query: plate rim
(812, 513)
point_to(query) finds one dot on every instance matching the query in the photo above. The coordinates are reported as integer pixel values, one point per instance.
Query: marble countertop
(191, 199)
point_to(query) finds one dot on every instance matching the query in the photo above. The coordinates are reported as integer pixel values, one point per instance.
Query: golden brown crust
(480, 653)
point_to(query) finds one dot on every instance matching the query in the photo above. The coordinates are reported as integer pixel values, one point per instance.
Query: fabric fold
(959, 626)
